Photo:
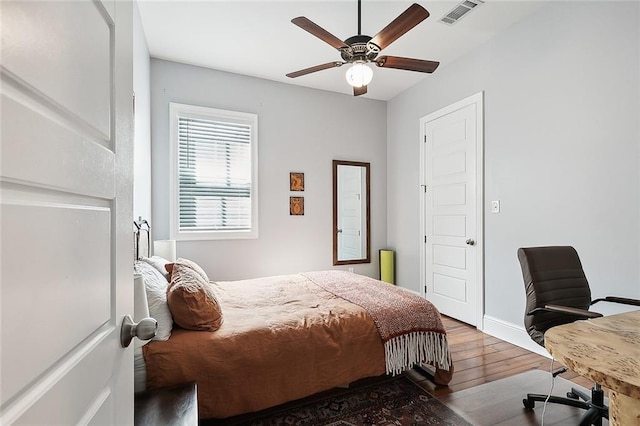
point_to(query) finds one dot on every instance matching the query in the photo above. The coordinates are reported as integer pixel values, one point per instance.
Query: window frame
(177, 111)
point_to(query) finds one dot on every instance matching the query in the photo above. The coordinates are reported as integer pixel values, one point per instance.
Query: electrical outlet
(495, 206)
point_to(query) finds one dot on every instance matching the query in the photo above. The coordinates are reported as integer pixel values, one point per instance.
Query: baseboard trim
(511, 333)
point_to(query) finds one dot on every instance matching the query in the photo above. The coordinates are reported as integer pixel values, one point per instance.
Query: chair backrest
(552, 276)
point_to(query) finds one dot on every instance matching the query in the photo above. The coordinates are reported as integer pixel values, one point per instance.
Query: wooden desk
(606, 350)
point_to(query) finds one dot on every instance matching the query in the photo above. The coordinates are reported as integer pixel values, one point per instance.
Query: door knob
(339, 231)
(470, 242)
(143, 330)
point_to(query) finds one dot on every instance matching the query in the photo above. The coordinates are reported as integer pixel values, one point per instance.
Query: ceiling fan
(360, 49)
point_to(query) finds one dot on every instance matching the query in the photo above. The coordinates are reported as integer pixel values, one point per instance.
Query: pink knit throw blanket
(410, 326)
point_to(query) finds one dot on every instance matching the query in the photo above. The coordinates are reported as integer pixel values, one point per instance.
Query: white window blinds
(214, 169)
(214, 174)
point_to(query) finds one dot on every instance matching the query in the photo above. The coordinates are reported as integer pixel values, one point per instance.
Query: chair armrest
(623, 300)
(572, 311)
(580, 313)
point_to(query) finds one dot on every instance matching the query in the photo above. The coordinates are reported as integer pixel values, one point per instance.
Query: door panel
(453, 257)
(446, 134)
(72, 41)
(450, 195)
(62, 403)
(450, 225)
(66, 200)
(449, 164)
(65, 272)
(448, 286)
(41, 138)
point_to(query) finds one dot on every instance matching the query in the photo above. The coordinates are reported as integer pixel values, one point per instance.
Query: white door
(66, 212)
(350, 213)
(452, 210)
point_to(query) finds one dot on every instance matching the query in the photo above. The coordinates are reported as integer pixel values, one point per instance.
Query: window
(214, 173)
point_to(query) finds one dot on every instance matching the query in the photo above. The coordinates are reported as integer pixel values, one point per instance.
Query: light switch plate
(495, 206)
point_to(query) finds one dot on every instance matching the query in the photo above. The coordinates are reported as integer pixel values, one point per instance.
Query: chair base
(594, 404)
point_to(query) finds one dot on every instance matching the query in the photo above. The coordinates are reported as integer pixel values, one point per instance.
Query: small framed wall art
(296, 206)
(296, 181)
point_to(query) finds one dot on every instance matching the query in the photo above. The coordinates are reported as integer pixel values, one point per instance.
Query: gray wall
(142, 128)
(301, 130)
(561, 148)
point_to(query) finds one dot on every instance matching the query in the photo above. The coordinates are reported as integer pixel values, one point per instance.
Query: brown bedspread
(282, 338)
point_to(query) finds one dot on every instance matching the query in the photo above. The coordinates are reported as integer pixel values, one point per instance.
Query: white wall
(562, 141)
(300, 130)
(142, 128)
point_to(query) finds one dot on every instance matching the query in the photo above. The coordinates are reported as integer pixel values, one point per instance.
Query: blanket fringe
(404, 351)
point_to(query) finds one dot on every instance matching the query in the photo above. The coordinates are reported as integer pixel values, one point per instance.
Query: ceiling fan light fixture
(361, 50)
(359, 74)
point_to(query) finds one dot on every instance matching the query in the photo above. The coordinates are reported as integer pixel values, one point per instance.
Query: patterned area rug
(392, 401)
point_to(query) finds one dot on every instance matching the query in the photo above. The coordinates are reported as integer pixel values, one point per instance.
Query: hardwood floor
(480, 362)
(480, 358)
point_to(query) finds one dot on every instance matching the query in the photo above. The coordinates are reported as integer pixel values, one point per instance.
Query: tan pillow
(193, 265)
(186, 262)
(169, 268)
(191, 300)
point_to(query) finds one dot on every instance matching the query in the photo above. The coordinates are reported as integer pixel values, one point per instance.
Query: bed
(286, 337)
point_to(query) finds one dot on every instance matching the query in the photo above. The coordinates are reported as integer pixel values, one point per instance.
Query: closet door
(452, 219)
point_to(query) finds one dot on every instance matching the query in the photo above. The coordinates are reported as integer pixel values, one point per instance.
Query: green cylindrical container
(387, 271)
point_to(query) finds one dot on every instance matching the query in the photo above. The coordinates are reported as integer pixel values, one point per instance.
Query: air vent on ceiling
(461, 9)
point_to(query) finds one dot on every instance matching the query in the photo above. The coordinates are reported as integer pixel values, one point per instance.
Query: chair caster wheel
(528, 404)
(572, 395)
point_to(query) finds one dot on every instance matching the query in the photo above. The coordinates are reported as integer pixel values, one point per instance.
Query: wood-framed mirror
(351, 212)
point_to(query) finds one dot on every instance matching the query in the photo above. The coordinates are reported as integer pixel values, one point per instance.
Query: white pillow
(156, 286)
(158, 263)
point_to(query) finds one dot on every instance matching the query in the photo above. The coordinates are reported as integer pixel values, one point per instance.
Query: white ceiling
(257, 38)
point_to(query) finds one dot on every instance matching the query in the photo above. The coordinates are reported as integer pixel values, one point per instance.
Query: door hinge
(425, 138)
(425, 238)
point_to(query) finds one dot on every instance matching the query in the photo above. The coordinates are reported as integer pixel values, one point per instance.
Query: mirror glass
(351, 230)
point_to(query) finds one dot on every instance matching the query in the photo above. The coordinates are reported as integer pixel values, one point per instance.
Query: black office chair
(558, 293)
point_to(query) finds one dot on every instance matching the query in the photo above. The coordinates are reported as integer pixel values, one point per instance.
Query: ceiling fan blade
(314, 69)
(403, 23)
(357, 91)
(319, 32)
(409, 64)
